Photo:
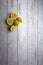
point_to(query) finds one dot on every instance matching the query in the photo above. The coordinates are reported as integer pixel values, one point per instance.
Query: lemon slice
(13, 15)
(12, 28)
(9, 21)
(19, 19)
(16, 22)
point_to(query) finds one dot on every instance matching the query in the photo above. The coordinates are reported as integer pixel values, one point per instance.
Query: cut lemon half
(12, 28)
(19, 19)
(9, 21)
(16, 22)
(13, 15)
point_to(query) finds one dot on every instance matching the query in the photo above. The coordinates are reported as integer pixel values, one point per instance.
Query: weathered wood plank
(3, 32)
(32, 32)
(22, 33)
(40, 32)
(12, 36)
(24, 46)
(0, 32)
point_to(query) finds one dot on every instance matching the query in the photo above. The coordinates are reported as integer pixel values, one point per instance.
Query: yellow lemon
(12, 28)
(16, 23)
(19, 19)
(9, 21)
(13, 15)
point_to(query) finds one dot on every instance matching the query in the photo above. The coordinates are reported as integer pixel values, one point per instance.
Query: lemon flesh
(16, 23)
(12, 28)
(19, 19)
(9, 21)
(13, 15)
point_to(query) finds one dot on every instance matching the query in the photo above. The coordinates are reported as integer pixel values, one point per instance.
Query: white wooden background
(24, 46)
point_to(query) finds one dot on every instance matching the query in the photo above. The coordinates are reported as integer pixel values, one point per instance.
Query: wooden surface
(24, 46)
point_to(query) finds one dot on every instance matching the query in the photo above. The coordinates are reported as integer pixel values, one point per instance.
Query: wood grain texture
(32, 32)
(22, 33)
(3, 33)
(24, 46)
(40, 32)
(12, 37)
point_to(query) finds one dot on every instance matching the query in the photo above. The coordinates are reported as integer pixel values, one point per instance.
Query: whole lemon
(16, 22)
